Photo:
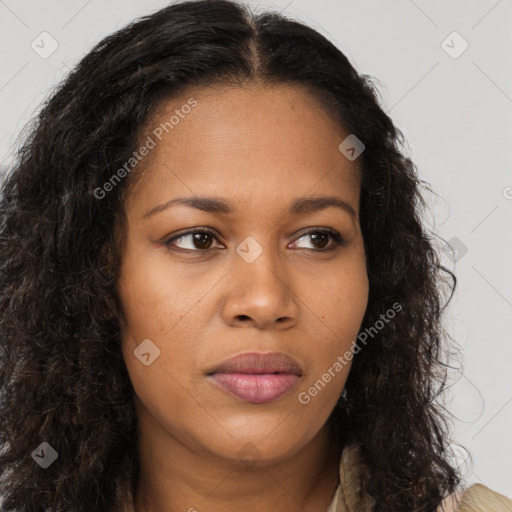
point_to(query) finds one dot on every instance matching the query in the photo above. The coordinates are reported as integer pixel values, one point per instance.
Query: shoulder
(478, 498)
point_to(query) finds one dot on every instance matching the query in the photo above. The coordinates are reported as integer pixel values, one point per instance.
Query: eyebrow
(220, 205)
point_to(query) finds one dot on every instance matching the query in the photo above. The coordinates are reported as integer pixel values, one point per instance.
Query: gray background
(456, 114)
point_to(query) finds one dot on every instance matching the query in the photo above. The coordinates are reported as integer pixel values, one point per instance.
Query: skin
(260, 148)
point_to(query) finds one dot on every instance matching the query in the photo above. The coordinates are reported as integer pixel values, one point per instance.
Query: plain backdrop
(445, 76)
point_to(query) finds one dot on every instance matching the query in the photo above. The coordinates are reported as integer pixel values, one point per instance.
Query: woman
(217, 291)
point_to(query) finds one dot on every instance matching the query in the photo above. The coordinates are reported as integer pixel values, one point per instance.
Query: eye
(320, 239)
(198, 240)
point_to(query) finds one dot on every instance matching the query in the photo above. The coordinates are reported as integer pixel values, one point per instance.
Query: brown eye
(201, 240)
(197, 240)
(320, 239)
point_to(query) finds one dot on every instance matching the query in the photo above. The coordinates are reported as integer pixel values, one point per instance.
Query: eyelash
(338, 239)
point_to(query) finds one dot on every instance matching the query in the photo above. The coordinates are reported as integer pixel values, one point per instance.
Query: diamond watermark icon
(146, 352)
(249, 249)
(455, 249)
(45, 455)
(454, 45)
(351, 147)
(249, 454)
(44, 45)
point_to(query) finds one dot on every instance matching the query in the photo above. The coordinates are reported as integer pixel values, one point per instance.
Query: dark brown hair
(63, 379)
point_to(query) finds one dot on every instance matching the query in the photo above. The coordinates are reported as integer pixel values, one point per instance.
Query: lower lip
(256, 388)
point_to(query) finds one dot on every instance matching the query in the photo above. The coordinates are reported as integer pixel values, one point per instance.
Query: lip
(257, 377)
(256, 388)
(258, 362)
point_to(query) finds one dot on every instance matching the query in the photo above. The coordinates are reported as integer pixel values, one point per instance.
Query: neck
(173, 477)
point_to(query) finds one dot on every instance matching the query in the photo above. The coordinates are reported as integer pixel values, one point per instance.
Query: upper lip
(257, 362)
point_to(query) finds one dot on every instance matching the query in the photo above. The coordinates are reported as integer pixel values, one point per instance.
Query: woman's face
(268, 278)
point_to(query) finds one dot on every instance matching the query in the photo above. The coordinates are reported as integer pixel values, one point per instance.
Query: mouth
(257, 378)
(256, 388)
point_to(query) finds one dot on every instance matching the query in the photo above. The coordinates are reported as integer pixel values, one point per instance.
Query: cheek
(155, 296)
(161, 369)
(150, 310)
(340, 306)
(341, 303)
(155, 306)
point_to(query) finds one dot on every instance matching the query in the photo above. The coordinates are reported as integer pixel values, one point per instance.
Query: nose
(261, 294)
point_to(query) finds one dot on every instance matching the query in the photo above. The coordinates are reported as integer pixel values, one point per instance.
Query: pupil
(201, 238)
(322, 237)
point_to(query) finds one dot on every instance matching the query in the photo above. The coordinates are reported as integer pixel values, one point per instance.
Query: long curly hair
(63, 379)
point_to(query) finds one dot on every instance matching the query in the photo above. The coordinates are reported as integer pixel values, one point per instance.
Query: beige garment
(349, 496)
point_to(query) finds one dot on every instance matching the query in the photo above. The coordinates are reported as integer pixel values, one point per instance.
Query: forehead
(245, 141)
